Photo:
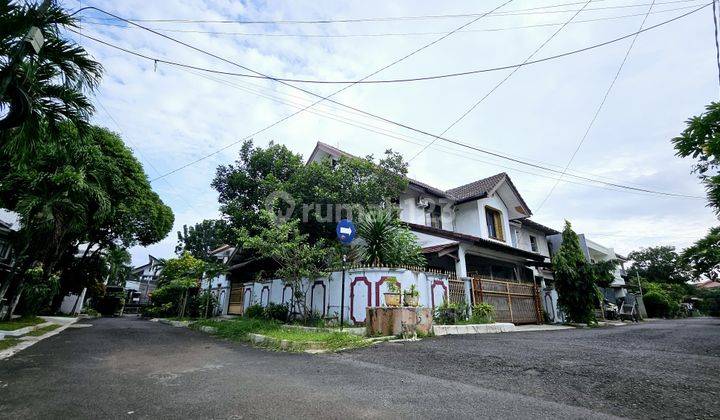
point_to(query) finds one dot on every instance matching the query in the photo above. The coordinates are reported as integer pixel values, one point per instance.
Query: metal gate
(235, 306)
(518, 303)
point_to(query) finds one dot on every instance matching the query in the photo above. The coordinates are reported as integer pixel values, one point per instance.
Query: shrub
(276, 311)
(109, 305)
(482, 313)
(198, 304)
(255, 311)
(657, 304)
(37, 294)
(450, 313)
(710, 304)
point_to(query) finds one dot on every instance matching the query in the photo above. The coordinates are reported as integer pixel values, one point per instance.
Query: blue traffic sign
(345, 231)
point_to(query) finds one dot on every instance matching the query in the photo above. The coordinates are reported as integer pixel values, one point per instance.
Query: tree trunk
(16, 300)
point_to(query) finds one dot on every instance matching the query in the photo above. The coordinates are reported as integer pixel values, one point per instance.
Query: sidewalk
(28, 340)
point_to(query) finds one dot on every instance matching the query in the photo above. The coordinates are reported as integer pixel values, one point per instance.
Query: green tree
(383, 239)
(77, 189)
(704, 254)
(204, 237)
(275, 178)
(44, 89)
(576, 279)
(701, 141)
(244, 187)
(119, 268)
(296, 258)
(185, 267)
(660, 264)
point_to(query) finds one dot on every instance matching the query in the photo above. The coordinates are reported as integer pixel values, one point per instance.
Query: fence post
(468, 291)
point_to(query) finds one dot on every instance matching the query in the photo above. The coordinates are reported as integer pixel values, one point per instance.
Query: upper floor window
(533, 244)
(4, 249)
(433, 216)
(493, 218)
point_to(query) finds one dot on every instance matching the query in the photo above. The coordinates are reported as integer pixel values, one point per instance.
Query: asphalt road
(124, 368)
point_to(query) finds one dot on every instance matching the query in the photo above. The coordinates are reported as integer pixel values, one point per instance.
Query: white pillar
(460, 266)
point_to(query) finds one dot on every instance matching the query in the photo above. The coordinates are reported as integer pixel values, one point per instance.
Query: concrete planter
(392, 299)
(381, 321)
(410, 300)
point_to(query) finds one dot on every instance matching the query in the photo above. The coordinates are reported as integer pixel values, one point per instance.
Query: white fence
(364, 287)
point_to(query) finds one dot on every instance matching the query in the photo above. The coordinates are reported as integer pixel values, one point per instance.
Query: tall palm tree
(42, 88)
(376, 229)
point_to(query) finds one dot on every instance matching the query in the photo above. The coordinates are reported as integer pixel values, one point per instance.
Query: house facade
(477, 229)
(142, 281)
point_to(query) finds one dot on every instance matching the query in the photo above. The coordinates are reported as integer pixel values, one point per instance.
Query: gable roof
(477, 189)
(537, 226)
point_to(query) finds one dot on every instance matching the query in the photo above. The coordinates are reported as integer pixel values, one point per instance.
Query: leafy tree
(119, 268)
(296, 258)
(660, 264)
(701, 141)
(259, 175)
(77, 189)
(349, 185)
(576, 279)
(43, 89)
(185, 267)
(204, 237)
(245, 186)
(385, 240)
(704, 254)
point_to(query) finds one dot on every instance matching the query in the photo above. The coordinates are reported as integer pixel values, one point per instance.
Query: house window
(433, 216)
(4, 249)
(493, 218)
(533, 244)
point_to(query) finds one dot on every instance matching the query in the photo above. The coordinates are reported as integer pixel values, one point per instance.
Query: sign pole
(342, 294)
(346, 233)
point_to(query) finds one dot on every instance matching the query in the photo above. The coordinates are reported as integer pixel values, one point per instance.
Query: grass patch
(238, 329)
(6, 343)
(42, 330)
(16, 324)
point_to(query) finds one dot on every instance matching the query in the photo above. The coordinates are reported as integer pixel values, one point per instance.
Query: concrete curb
(28, 341)
(172, 322)
(498, 327)
(22, 331)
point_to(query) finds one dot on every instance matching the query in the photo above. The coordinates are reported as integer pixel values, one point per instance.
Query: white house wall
(362, 286)
(467, 219)
(496, 203)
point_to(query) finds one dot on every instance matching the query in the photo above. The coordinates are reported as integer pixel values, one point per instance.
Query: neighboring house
(594, 252)
(5, 248)
(477, 229)
(220, 285)
(708, 284)
(143, 280)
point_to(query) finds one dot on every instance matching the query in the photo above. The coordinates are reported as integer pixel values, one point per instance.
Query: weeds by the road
(18, 323)
(238, 329)
(6, 343)
(42, 330)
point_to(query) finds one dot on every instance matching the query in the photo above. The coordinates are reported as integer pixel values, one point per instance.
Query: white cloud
(174, 116)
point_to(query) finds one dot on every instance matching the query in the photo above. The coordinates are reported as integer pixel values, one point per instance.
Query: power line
(177, 193)
(717, 47)
(258, 75)
(388, 34)
(516, 12)
(387, 120)
(481, 100)
(597, 112)
(413, 140)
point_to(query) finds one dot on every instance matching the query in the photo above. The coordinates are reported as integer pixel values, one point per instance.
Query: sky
(170, 116)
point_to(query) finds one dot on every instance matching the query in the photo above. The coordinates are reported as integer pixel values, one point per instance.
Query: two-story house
(477, 229)
(142, 281)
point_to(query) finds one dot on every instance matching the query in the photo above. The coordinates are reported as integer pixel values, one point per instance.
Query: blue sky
(171, 116)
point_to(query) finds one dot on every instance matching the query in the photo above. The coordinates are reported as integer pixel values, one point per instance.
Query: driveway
(126, 367)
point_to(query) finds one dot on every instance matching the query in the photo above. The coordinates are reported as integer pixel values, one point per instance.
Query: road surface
(131, 368)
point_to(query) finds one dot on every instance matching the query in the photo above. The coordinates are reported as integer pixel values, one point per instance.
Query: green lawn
(6, 343)
(42, 330)
(18, 323)
(238, 329)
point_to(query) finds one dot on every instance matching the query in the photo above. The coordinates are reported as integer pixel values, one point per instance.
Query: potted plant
(411, 296)
(392, 296)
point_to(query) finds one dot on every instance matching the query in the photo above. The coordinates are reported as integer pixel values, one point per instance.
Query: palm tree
(45, 88)
(376, 228)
